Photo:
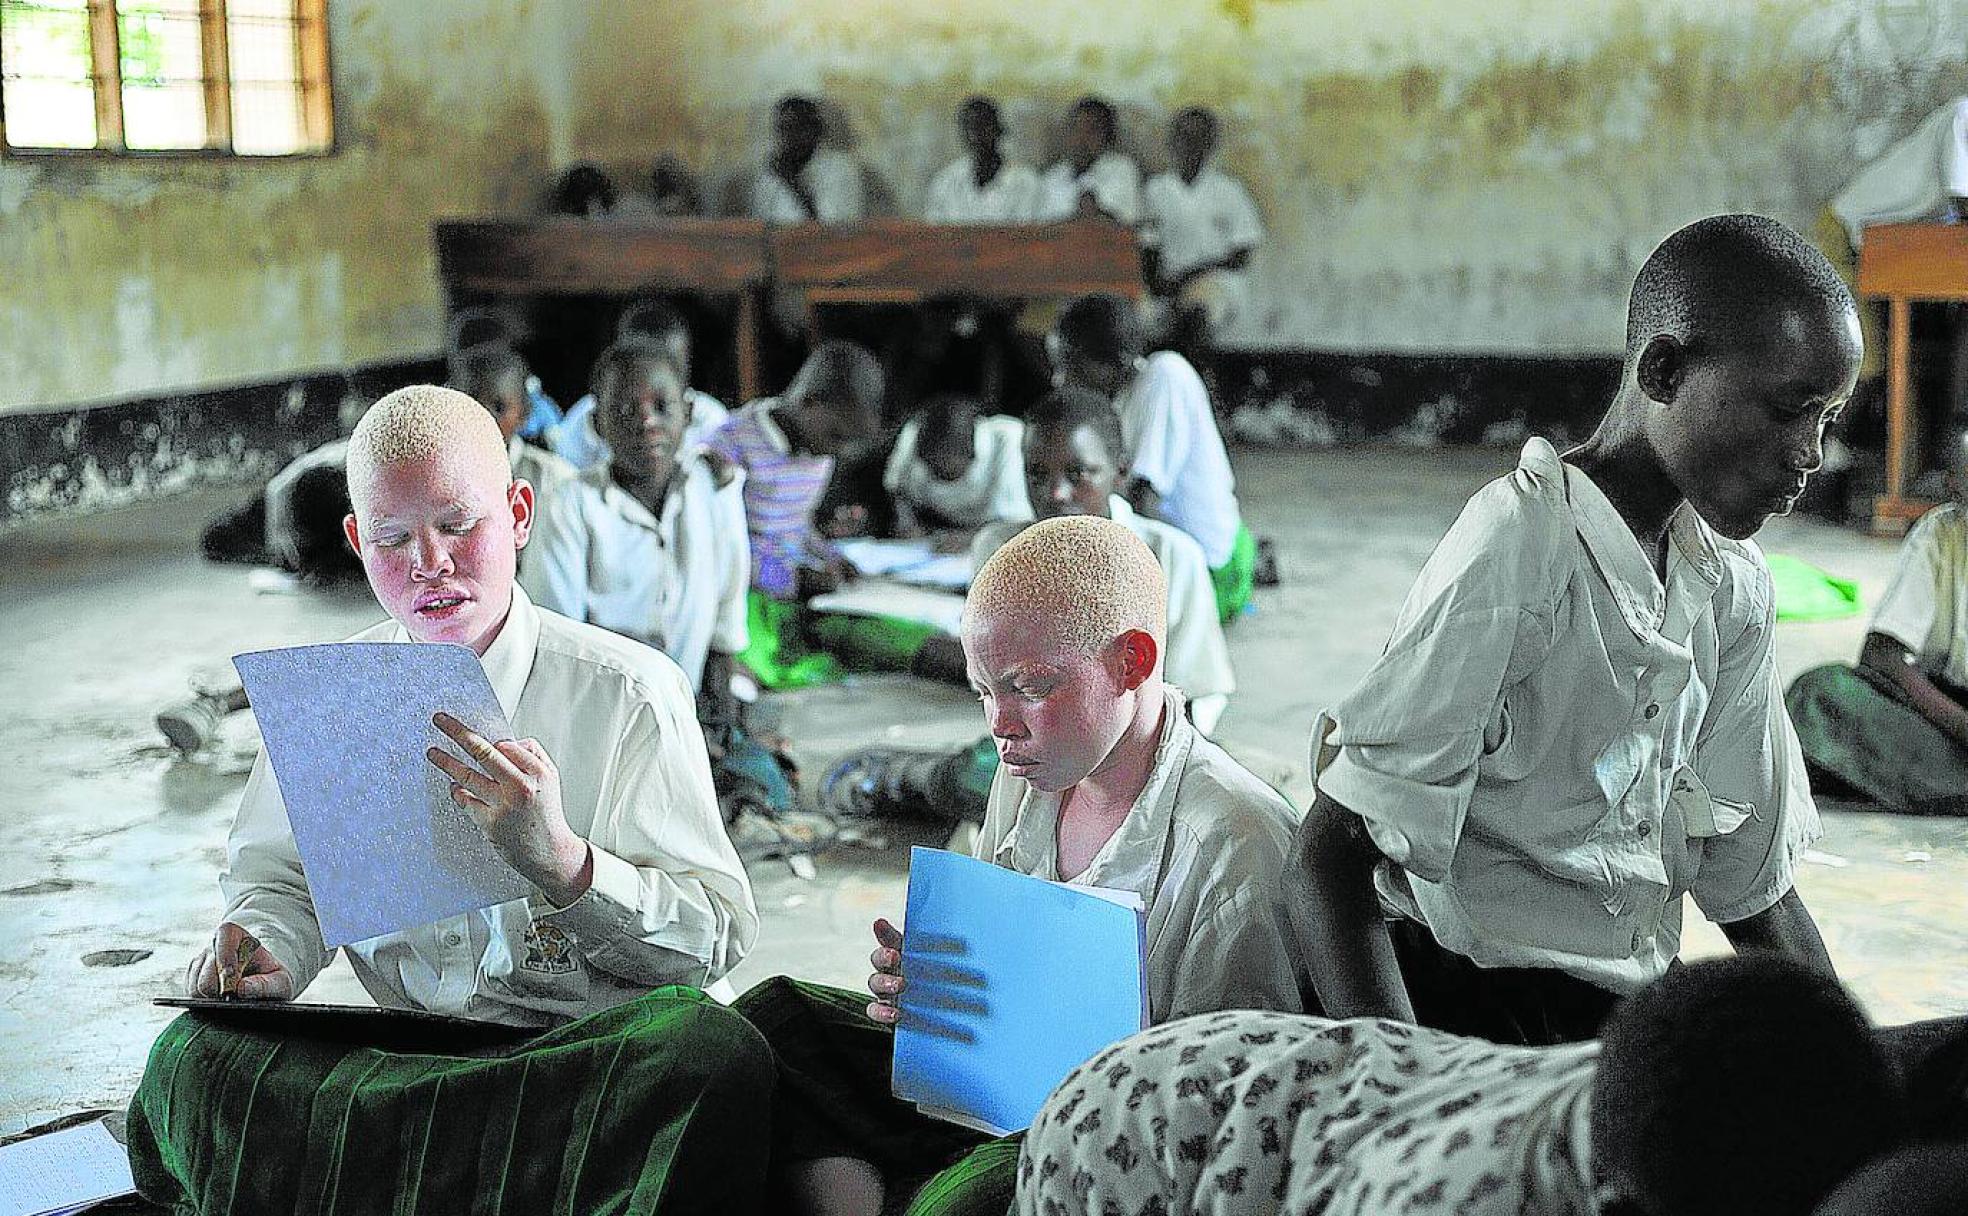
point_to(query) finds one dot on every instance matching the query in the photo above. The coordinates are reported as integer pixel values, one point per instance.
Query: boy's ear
(1662, 365)
(353, 533)
(519, 496)
(1139, 654)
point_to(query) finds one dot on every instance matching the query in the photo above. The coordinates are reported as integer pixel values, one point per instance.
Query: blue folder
(1013, 982)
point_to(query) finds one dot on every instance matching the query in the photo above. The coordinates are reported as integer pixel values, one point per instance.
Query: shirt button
(1645, 829)
(454, 939)
(1653, 711)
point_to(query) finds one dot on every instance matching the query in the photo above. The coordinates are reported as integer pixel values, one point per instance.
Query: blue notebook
(1013, 982)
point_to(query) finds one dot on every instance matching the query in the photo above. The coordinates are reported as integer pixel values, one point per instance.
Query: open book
(1013, 982)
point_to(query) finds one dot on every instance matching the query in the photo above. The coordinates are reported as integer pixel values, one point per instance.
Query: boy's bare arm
(1336, 914)
(1890, 659)
(1785, 927)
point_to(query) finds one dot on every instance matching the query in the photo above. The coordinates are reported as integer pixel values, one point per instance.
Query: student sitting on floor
(472, 328)
(1896, 728)
(1094, 179)
(954, 470)
(1199, 227)
(1733, 1087)
(1177, 467)
(497, 377)
(604, 804)
(1577, 720)
(1072, 467)
(802, 181)
(981, 186)
(1104, 784)
(653, 323)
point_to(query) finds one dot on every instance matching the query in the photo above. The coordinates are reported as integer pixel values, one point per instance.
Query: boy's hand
(886, 983)
(513, 794)
(237, 965)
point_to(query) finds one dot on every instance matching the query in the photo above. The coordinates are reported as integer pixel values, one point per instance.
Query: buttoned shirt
(1198, 223)
(576, 440)
(670, 902)
(1204, 846)
(1922, 608)
(675, 579)
(1114, 180)
(991, 488)
(832, 179)
(1555, 746)
(954, 197)
(1173, 444)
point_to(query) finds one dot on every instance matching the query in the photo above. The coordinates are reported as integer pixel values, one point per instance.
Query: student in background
(1178, 469)
(1105, 784)
(981, 186)
(499, 379)
(953, 470)
(583, 190)
(658, 324)
(803, 182)
(1199, 228)
(673, 189)
(1895, 728)
(603, 803)
(472, 328)
(1094, 178)
(1577, 720)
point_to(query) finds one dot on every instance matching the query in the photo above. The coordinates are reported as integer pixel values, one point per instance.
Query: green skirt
(1233, 580)
(653, 1106)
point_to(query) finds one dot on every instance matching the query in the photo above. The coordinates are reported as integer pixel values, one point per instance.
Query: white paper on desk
(62, 1171)
(346, 725)
(878, 557)
(947, 571)
(886, 597)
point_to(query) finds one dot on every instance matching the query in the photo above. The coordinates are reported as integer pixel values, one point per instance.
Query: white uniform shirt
(992, 488)
(1012, 197)
(1912, 180)
(1204, 846)
(1195, 659)
(1922, 608)
(1173, 444)
(1554, 747)
(545, 472)
(670, 902)
(1114, 180)
(832, 178)
(1199, 223)
(676, 582)
(575, 439)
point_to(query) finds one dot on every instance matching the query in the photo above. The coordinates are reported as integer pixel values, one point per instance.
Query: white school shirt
(676, 582)
(1173, 444)
(1912, 180)
(1205, 847)
(832, 178)
(670, 902)
(1270, 1112)
(1114, 180)
(546, 473)
(1553, 748)
(1199, 223)
(992, 488)
(1012, 197)
(1196, 658)
(575, 439)
(1922, 608)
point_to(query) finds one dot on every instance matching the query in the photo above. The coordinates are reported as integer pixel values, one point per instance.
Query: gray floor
(107, 844)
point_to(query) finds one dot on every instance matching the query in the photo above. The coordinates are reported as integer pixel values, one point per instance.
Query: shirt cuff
(605, 910)
(1406, 819)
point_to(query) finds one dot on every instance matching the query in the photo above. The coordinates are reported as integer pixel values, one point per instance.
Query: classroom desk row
(1902, 264)
(876, 262)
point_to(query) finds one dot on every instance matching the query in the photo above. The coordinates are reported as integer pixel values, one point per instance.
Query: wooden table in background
(1902, 263)
(908, 261)
(507, 259)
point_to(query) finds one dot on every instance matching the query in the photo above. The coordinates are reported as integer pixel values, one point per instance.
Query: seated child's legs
(1853, 728)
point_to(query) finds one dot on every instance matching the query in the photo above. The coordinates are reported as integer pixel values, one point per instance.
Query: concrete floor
(109, 845)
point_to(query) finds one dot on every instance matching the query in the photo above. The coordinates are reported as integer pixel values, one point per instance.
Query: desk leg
(748, 346)
(1899, 397)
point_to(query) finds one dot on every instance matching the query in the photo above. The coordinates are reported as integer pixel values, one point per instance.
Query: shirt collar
(1120, 510)
(508, 661)
(769, 427)
(1131, 859)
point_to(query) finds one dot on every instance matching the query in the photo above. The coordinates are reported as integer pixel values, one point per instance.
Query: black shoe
(1265, 572)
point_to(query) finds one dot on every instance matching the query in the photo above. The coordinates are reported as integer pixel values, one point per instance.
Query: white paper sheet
(62, 1171)
(346, 725)
(885, 597)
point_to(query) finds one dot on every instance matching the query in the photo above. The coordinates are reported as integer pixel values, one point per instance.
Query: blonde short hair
(416, 423)
(1088, 578)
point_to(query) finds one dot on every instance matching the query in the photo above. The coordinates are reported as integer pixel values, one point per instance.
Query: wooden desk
(1901, 263)
(479, 259)
(908, 261)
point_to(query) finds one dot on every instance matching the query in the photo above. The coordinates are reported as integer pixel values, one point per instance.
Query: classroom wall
(1438, 176)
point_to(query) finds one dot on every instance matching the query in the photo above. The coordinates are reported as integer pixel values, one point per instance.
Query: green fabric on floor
(983, 1182)
(1853, 728)
(652, 1106)
(775, 647)
(1806, 593)
(1233, 580)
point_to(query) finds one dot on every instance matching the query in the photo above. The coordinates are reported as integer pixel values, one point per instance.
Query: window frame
(315, 88)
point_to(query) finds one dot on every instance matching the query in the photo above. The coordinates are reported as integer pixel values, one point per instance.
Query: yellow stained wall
(1437, 175)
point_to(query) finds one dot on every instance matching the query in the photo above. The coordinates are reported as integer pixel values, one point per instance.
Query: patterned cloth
(1247, 1113)
(781, 490)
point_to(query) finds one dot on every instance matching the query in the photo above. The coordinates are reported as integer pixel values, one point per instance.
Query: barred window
(241, 77)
